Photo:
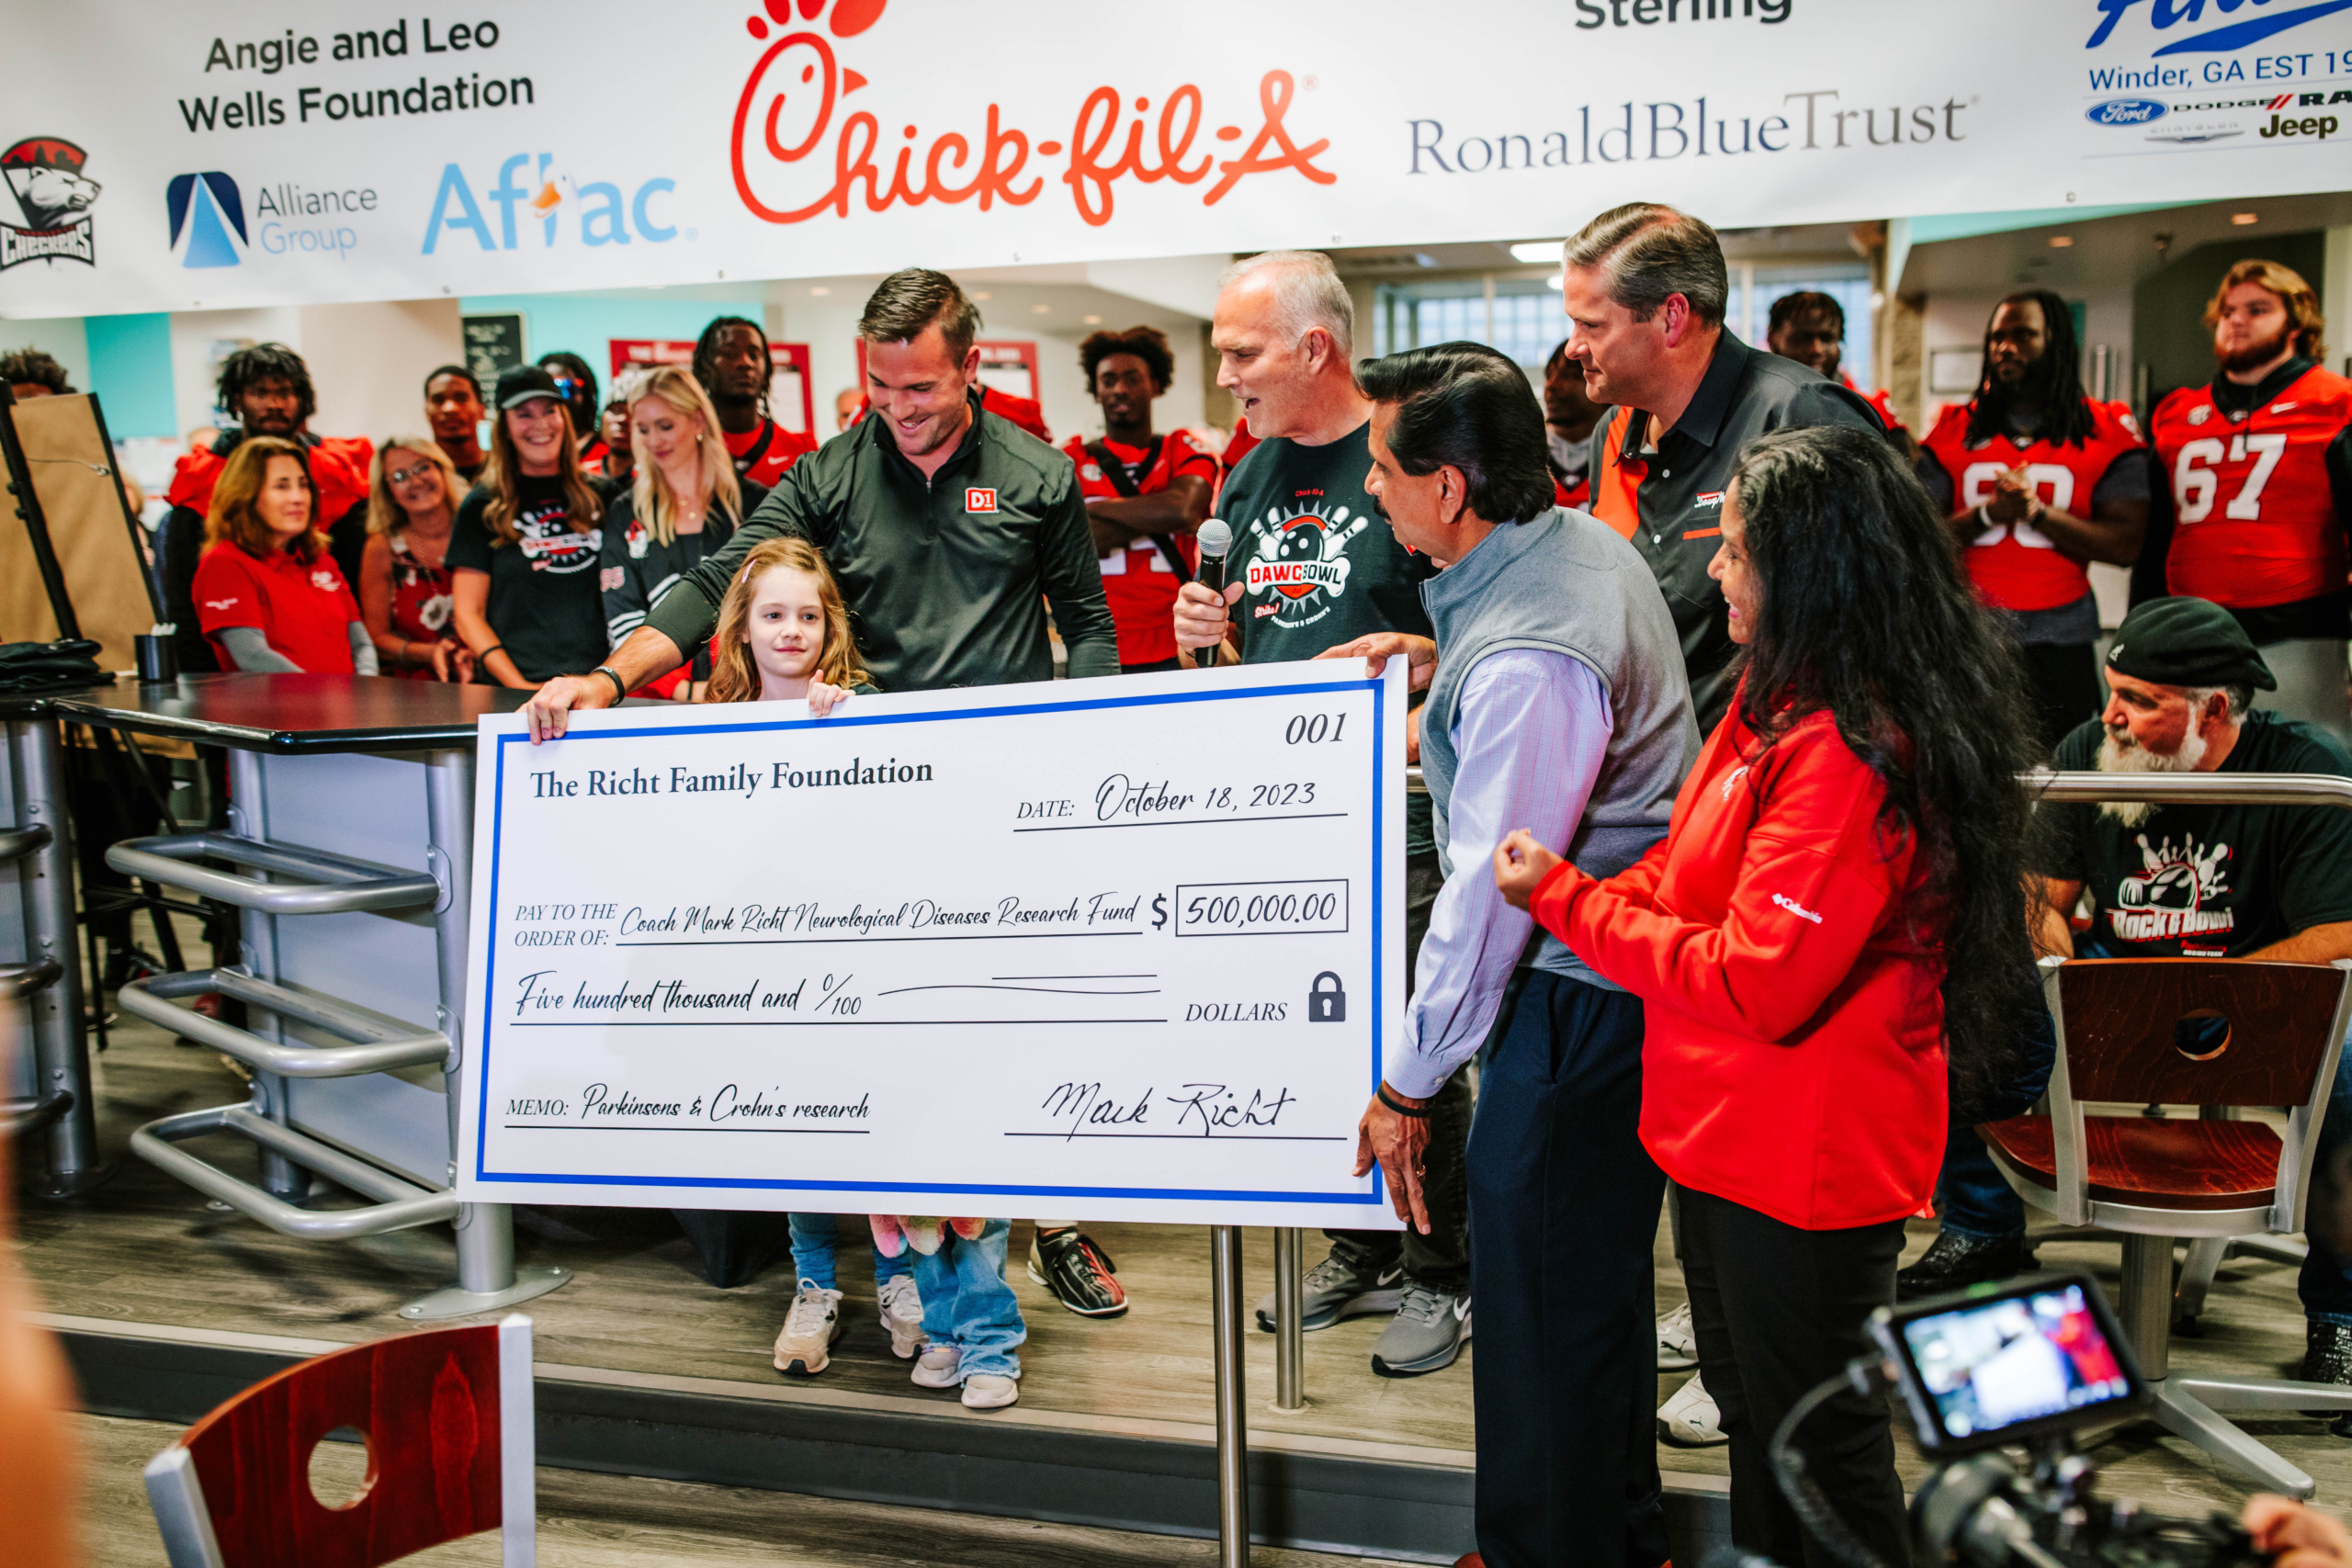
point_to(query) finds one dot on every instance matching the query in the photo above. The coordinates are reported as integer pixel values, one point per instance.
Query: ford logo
(2125, 111)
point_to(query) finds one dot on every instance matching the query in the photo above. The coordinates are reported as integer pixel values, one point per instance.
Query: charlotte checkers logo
(44, 174)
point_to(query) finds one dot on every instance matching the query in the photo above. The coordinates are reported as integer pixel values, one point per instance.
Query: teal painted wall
(130, 369)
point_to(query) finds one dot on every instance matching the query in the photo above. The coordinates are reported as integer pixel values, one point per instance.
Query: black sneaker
(2327, 1358)
(1956, 1262)
(1340, 1286)
(1078, 1272)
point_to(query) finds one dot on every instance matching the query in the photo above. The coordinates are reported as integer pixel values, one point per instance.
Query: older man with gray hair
(1315, 565)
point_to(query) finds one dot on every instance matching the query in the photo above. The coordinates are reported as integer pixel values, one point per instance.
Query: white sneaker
(935, 1368)
(1677, 1343)
(901, 1306)
(804, 1344)
(988, 1391)
(1689, 1419)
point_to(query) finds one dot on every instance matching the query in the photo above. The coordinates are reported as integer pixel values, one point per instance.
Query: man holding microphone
(1561, 699)
(1314, 565)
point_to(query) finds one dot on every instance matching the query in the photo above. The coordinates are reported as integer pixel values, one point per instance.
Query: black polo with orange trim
(1669, 500)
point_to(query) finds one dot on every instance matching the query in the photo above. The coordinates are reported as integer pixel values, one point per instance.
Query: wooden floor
(608, 1521)
(144, 1249)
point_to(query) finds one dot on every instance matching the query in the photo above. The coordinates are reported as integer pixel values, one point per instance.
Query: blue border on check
(1374, 1198)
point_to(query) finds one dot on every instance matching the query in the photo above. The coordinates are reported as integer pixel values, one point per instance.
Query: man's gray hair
(1307, 294)
(1647, 251)
(2241, 700)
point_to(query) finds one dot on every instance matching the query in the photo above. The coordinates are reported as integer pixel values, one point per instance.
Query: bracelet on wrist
(619, 690)
(1417, 1113)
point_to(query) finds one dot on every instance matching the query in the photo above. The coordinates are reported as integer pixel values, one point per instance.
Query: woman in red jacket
(1838, 900)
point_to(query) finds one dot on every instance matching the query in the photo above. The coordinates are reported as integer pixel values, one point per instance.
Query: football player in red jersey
(2257, 491)
(2039, 481)
(267, 389)
(733, 361)
(1810, 328)
(1145, 494)
(1568, 419)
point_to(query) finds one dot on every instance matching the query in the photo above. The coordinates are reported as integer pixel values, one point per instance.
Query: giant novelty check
(1126, 948)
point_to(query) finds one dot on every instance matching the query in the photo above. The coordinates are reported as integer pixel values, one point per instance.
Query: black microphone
(1216, 539)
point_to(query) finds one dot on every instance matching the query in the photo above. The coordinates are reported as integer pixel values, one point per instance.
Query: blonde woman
(269, 596)
(683, 505)
(523, 557)
(412, 494)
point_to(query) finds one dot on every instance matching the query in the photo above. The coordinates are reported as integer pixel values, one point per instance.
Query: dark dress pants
(2064, 677)
(1777, 1311)
(1563, 1212)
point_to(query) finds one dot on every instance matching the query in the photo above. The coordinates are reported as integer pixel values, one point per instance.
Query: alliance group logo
(208, 219)
(2166, 16)
(54, 197)
(794, 104)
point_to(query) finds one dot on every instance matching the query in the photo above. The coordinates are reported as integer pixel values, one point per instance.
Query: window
(1520, 316)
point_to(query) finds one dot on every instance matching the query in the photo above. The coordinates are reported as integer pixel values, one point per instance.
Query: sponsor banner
(1143, 958)
(278, 152)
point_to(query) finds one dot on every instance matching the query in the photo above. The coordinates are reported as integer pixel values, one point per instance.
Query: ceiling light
(1555, 281)
(983, 294)
(819, 290)
(1093, 321)
(1039, 309)
(1536, 252)
(2242, 219)
(2060, 241)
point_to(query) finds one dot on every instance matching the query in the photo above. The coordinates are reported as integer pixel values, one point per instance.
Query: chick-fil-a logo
(790, 100)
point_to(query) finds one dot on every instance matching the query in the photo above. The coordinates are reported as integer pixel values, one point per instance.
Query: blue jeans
(966, 1303)
(813, 1238)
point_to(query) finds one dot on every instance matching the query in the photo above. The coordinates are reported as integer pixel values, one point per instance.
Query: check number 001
(1257, 908)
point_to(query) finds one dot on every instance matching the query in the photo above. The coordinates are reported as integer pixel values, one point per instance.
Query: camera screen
(2014, 1360)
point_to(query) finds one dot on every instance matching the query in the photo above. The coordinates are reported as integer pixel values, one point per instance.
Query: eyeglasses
(401, 476)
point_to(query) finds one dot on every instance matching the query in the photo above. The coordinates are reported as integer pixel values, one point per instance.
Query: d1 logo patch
(977, 499)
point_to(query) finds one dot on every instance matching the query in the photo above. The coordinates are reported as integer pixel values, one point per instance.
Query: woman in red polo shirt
(267, 593)
(1837, 901)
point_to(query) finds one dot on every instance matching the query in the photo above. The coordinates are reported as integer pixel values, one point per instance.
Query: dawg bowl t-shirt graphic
(1300, 570)
(2173, 897)
(548, 543)
(54, 197)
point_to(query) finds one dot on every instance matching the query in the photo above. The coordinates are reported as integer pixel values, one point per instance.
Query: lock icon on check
(1327, 1006)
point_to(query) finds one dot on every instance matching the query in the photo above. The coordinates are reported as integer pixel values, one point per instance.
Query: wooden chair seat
(2172, 1162)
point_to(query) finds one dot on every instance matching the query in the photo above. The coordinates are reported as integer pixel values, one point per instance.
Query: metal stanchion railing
(1290, 1321)
(1232, 1410)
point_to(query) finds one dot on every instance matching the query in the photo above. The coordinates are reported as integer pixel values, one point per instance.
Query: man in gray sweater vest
(1559, 701)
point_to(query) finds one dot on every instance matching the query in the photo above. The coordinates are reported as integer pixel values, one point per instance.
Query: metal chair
(2155, 1180)
(446, 1416)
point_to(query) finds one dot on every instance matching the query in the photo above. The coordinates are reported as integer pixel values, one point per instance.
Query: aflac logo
(2164, 15)
(794, 101)
(208, 219)
(2125, 111)
(607, 216)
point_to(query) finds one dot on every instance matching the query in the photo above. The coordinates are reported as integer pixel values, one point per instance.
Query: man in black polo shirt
(949, 528)
(1645, 286)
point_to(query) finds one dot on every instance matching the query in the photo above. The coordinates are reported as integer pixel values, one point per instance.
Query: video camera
(2027, 1364)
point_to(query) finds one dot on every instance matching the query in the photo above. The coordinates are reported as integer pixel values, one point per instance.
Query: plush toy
(893, 1234)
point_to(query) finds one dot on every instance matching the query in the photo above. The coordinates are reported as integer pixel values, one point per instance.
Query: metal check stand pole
(1232, 1415)
(1290, 1325)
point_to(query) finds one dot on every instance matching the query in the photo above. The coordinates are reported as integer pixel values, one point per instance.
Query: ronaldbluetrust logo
(2178, 23)
(208, 219)
(2125, 111)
